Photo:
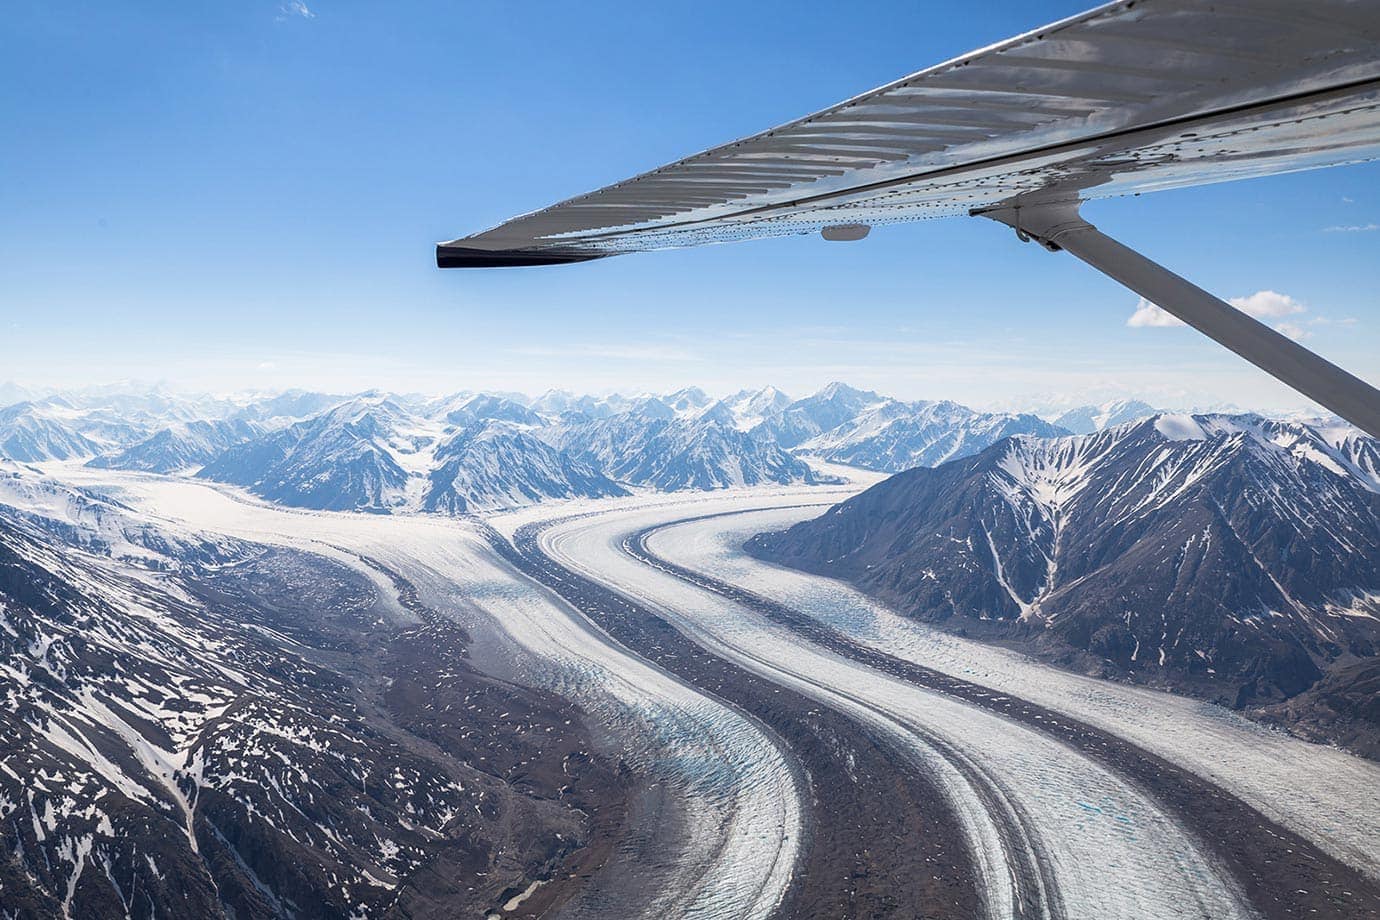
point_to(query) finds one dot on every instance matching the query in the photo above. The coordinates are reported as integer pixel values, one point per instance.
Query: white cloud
(630, 352)
(1352, 228)
(1293, 331)
(1263, 304)
(1147, 314)
(296, 8)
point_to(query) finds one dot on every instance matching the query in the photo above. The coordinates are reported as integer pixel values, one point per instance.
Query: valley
(538, 676)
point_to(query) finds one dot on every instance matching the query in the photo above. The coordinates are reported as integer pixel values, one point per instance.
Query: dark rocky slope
(250, 735)
(1232, 557)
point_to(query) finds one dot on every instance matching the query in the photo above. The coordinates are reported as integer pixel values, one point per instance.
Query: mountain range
(179, 447)
(467, 451)
(1088, 419)
(890, 436)
(688, 449)
(29, 435)
(349, 458)
(493, 464)
(1229, 555)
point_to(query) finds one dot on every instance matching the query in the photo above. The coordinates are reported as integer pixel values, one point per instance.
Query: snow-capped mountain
(651, 408)
(11, 393)
(32, 433)
(287, 407)
(497, 464)
(377, 451)
(198, 735)
(94, 522)
(892, 436)
(1328, 443)
(751, 408)
(705, 451)
(1088, 419)
(354, 457)
(372, 454)
(72, 426)
(687, 402)
(815, 414)
(556, 403)
(864, 429)
(150, 406)
(482, 406)
(437, 407)
(1233, 554)
(180, 447)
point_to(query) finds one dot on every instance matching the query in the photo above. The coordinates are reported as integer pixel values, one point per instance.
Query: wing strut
(1059, 226)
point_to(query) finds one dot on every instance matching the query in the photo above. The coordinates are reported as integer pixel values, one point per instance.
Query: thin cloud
(1353, 228)
(614, 352)
(1147, 315)
(1293, 331)
(1261, 305)
(295, 8)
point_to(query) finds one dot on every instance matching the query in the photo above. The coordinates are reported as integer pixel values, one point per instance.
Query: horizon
(1047, 405)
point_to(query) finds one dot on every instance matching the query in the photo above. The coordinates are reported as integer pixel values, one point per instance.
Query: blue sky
(247, 194)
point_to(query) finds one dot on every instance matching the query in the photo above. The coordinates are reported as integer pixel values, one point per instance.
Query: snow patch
(1180, 428)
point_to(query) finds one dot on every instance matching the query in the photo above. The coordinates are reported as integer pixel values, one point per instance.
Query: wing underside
(1130, 97)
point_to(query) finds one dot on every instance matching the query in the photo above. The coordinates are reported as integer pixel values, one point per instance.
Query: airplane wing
(1133, 96)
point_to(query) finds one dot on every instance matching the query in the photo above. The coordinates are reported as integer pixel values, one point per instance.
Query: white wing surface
(1133, 96)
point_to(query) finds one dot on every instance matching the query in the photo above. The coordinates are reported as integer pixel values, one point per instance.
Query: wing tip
(449, 255)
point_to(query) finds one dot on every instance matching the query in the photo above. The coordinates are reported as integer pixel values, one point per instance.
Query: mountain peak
(717, 413)
(484, 406)
(687, 401)
(1088, 419)
(837, 389)
(650, 407)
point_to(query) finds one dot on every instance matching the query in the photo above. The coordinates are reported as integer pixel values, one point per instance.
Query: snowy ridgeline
(471, 452)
